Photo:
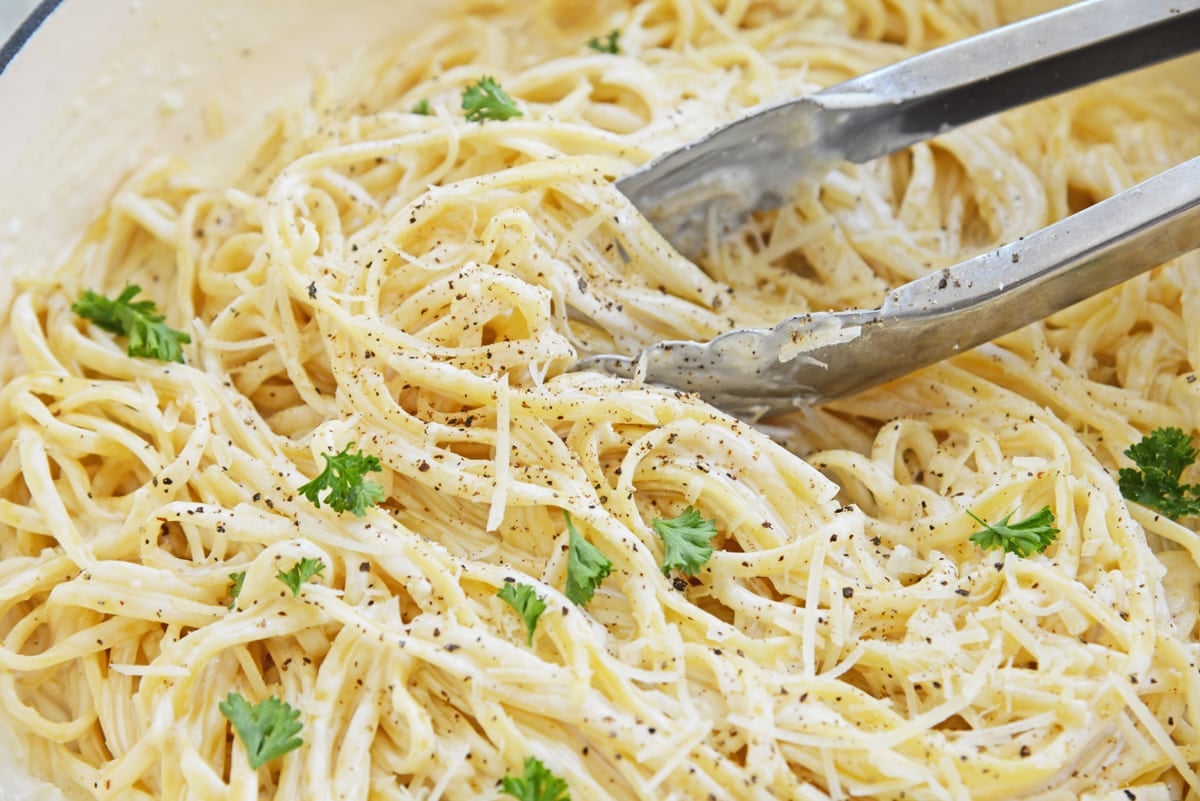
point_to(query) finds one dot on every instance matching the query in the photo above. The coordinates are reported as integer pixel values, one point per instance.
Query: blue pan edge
(26, 30)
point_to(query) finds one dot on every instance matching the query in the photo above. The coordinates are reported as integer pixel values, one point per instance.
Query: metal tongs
(756, 162)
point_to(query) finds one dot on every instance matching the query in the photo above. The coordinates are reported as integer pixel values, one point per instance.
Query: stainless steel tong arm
(757, 161)
(754, 163)
(812, 358)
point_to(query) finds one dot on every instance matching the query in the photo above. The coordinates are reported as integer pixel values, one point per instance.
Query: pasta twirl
(417, 285)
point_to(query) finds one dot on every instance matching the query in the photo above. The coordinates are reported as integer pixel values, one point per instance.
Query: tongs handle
(917, 98)
(971, 303)
(708, 187)
(748, 371)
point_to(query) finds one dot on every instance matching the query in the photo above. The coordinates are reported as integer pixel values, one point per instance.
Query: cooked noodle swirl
(417, 285)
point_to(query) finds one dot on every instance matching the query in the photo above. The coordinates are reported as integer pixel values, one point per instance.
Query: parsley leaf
(523, 599)
(1161, 457)
(267, 729)
(139, 321)
(421, 107)
(299, 573)
(606, 44)
(538, 784)
(686, 541)
(586, 566)
(485, 100)
(236, 580)
(1025, 537)
(343, 477)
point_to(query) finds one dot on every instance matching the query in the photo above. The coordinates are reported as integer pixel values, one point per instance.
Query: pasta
(417, 286)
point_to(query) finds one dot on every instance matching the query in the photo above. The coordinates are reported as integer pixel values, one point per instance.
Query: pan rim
(25, 31)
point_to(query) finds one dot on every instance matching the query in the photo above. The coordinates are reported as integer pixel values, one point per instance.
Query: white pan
(89, 89)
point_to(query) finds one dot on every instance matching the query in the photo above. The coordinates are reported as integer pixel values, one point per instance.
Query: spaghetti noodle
(417, 285)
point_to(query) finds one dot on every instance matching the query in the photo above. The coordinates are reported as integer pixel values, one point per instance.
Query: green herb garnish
(1161, 457)
(148, 336)
(524, 600)
(267, 730)
(344, 477)
(538, 784)
(299, 573)
(1025, 537)
(686, 541)
(236, 580)
(485, 100)
(586, 566)
(606, 44)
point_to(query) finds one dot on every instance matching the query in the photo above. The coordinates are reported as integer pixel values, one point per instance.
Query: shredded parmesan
(419, 286)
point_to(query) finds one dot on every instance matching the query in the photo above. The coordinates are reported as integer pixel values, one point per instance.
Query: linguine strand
(418, 285)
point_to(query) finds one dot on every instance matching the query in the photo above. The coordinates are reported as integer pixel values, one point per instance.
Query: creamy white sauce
(104, 85)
